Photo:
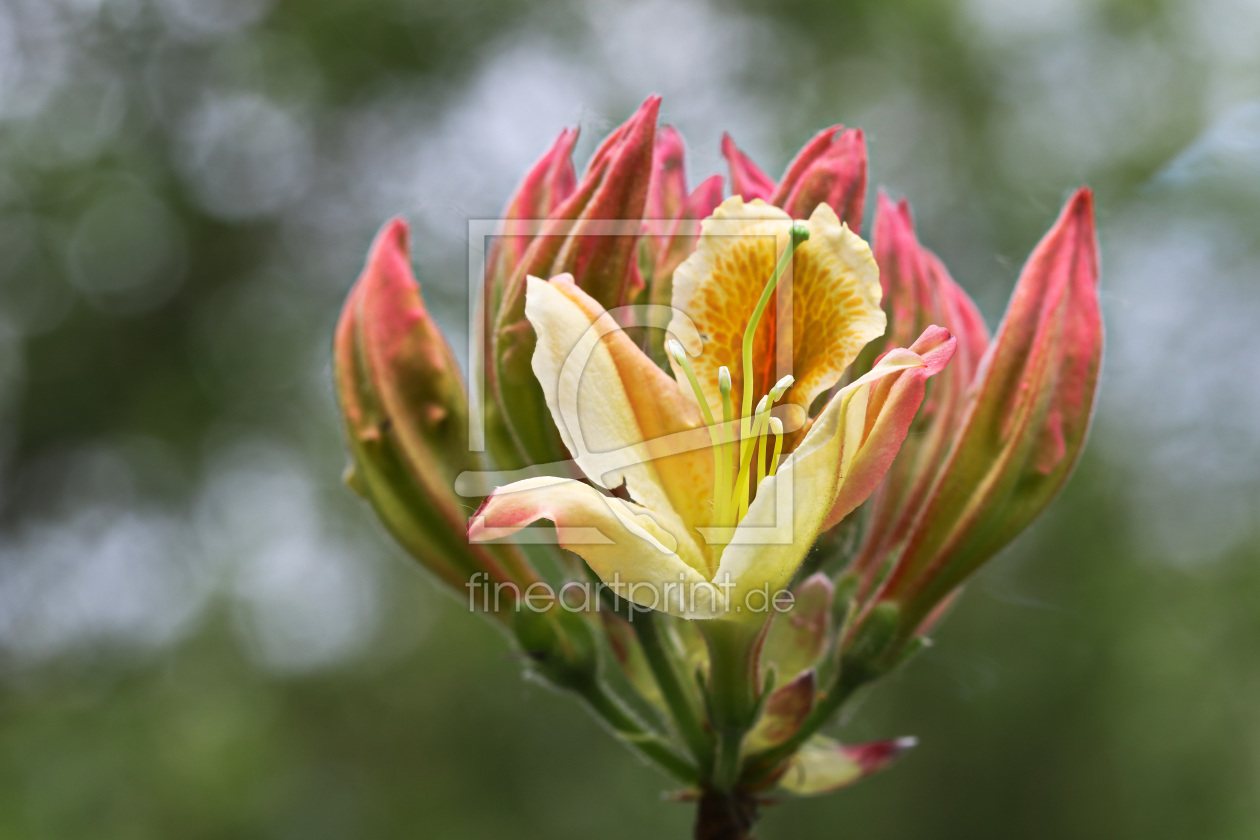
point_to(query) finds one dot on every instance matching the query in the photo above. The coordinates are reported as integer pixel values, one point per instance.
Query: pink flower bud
(545, 187)
(830, 169)
(1024, 424)
(785, 710)
(891, 409)
(673, 218)
(668, 189)
(405, 410)
(604, 265)
(918, 292)
(824, 766)
(577, 239)
(747, 179)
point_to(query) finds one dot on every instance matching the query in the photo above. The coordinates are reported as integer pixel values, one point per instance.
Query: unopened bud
(405, 412)
(1024, 425)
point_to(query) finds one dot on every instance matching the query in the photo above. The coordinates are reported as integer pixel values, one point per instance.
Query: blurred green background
(203, 635)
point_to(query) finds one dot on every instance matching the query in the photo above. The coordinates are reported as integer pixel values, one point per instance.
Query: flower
(802, 382)
(719, 509)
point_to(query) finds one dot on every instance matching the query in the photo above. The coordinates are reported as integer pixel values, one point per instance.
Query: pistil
(798, 234)
(733, 474)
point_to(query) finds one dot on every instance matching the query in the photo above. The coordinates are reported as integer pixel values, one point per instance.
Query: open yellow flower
(703, 498)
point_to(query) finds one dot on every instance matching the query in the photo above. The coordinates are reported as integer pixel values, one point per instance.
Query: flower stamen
(776, 428)
(747, 446)
(723, 487)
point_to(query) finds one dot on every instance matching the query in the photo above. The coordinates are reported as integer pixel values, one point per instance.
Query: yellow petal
(620, 541)
(832, 289)
(792, 506)
(622, 418)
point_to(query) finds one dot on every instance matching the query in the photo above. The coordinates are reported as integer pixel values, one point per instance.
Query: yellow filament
(747, 447)
(722, 486)
(776, 428)
(761, 455)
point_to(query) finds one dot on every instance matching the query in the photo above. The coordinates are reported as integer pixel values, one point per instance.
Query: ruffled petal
(832, 292)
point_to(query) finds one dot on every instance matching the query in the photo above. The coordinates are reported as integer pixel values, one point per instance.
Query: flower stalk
(732, 693)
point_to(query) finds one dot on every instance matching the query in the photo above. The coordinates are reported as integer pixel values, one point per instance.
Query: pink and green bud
(747, 179)
(918, 292)
(546, 186)
(592, 235)
(785, 710)
(825, 766)
(1024, 424)
(830, 169)
(798, 638)
(406, 417)
(672, 225)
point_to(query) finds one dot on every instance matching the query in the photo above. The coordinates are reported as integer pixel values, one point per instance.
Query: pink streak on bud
(668, 190)
(747, 179)
(603, 265)
(918, 292)
(403, 400)
(877, 755)
(830, 169)
(1025, 424)
(545, 187)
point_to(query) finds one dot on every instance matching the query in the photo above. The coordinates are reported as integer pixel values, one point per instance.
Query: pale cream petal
(792, 506)
(620, 541)
(623, 419)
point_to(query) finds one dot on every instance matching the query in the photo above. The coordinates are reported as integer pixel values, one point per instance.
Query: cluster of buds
(630, 322)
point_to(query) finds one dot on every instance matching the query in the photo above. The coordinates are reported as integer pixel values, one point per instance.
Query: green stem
(628, 728)
(732, 694)
(660, 660)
